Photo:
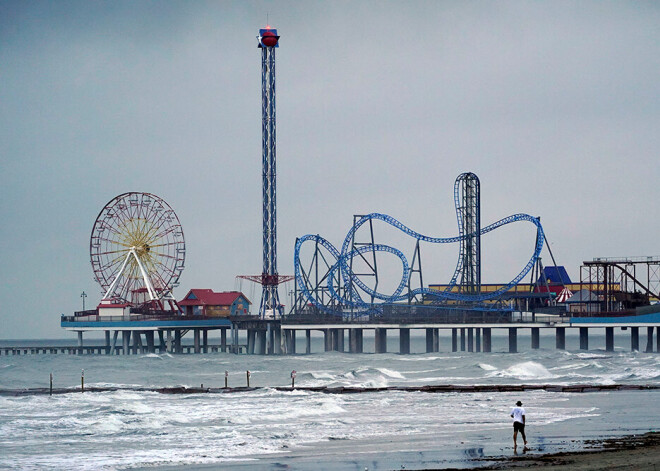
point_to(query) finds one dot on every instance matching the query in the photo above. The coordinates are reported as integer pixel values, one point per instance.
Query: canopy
(563, 296)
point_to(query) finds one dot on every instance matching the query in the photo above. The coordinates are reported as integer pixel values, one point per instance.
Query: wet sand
(634, 452)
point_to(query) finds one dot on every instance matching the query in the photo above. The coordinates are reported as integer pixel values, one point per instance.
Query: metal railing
(136, 318)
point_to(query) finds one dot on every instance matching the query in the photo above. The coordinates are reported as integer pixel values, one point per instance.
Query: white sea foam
(487, 367)
(525, 370)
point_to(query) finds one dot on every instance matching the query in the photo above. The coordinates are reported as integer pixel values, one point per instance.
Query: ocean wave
(525, 370)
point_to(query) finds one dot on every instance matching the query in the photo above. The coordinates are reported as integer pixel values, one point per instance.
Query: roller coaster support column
(404, 341)
(536, 343)
(609, 339)
(380, 340)
(560, 339)
(487, 340)
(513, 340)
(584, 338)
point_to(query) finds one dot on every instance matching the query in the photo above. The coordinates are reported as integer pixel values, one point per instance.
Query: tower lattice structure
(468, 209)
(270, 301)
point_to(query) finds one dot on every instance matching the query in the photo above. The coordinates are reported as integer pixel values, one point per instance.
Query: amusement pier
(137, 252)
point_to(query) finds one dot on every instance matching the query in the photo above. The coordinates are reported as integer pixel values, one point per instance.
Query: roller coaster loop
(352, 298)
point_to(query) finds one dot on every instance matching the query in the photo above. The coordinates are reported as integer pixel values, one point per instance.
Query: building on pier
(206, 302)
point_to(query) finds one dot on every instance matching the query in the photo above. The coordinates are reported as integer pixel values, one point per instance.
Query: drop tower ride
(270, 301)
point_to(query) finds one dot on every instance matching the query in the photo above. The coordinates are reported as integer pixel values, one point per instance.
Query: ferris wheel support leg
(147, 281)
(108, 293)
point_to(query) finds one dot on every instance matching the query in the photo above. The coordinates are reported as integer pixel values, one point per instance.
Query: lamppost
(83, 296)
(291, 293)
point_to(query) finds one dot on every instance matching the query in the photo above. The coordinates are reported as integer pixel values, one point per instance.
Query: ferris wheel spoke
(159, 254)
(155, 227)
(164, 245)
(113, 241)
(123, 251)
(111, 263)
(167, 231)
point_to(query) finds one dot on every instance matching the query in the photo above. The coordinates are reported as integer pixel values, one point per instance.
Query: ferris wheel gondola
(137, 250)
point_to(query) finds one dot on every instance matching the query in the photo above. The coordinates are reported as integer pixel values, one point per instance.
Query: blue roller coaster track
(352, 297)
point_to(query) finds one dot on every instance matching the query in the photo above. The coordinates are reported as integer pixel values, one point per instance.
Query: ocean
(270, 429)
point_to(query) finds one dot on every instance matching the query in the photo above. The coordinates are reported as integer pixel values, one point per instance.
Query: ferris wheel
(137, 249)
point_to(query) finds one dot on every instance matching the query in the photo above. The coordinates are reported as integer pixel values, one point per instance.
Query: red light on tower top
(268, 37)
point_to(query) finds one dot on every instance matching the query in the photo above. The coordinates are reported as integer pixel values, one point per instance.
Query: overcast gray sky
(380, 106)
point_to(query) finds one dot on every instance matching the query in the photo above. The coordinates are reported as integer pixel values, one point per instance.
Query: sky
(380, 106)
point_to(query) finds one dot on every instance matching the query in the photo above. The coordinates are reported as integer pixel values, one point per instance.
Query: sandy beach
(634, 452)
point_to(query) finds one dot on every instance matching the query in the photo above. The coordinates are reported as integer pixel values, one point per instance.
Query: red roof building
(206, 302)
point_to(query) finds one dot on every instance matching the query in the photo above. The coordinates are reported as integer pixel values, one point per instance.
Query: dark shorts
(518, 427)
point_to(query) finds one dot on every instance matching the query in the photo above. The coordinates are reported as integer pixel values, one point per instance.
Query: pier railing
(134, 317)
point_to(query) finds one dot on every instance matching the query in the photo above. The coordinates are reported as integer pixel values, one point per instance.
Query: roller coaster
(330, 283)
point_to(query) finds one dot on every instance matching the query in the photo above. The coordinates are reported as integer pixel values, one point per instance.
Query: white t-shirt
(518, 413)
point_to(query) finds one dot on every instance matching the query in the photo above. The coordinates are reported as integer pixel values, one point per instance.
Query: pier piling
(560, 338)
(487, 339)
(513, 340)
(584, 338)
(609, 339)
(380, 340)
(536, 341)
(634, 339)
(649, 339)
(404, 341)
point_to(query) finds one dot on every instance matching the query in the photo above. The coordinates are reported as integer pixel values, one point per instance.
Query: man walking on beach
(518, 414)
